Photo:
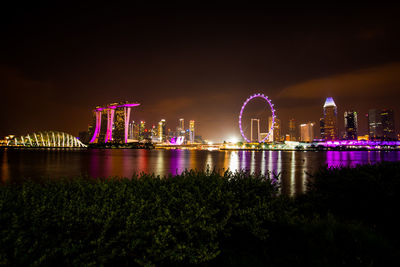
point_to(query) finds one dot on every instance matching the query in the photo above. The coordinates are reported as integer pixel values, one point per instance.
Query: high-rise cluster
(380, 125)
(111, 123)
(160, 133)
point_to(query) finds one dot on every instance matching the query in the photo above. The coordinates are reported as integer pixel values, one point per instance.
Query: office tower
(181, 128)
(162, 130)
(142, 128)
(375, 124)
(277, 130)
(181, 124)
(154, 132)
(350, 125)
(292, 130)
(307, 132)
(112, 122)
(191, 131)
(322, 128)
(255, 134)
(388, 129)
(133, 131)
(130, 131)
(271, 136)
(330, 119)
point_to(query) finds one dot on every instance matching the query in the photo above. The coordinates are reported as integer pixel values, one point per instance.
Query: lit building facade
(277, 130)
(255, 134)
(307, 132)
(330, 120)
(111, 123)
(181, 126)
(271, 136)
(322, 128)
(191, 131)
(142, 129)
(350, 125)
(162, 130)
(381, 124)
(292, 130)
(388, 129)
(133, 131)
(374, 124)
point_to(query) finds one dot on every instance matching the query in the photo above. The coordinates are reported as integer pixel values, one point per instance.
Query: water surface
(293, 167)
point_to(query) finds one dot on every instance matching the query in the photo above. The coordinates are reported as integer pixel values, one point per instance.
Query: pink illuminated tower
(112, 122)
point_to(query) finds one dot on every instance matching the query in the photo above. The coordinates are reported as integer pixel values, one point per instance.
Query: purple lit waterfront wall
(358, 143)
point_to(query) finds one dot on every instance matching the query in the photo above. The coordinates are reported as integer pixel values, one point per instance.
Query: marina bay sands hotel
(111, 123)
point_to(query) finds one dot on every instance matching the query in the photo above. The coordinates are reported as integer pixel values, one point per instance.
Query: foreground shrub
(145, 220)
(190, 219)
(316, 241)
(368, 193)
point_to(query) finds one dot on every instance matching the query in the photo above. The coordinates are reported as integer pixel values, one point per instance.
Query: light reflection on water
(292, 166)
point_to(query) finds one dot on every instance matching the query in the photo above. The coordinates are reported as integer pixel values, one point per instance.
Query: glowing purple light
(97, 128)
(110, 123)
(177, 140)
(127, 111)
(110, 110)
(241, 114)
(359, 143)
(130, 105)
(329, 102)
(118, 106)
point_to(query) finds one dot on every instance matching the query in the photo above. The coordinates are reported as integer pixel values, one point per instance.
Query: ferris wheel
(270, 106)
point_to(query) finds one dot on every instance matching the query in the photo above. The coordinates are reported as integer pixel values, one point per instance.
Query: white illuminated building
(307, 132)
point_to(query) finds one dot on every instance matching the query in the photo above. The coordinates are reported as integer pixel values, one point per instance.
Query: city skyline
(198, 64)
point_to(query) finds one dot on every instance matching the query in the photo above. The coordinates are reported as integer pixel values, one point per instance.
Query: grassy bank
(236, 219)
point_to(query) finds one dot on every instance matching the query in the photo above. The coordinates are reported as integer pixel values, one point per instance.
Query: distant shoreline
(204, 149)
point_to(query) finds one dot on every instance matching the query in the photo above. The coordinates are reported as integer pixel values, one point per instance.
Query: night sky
(58, 62)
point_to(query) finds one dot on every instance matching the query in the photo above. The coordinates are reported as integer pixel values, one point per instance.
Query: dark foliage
(368, 193)
(190, 219)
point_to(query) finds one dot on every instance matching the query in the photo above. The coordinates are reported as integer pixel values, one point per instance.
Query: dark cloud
(378, 81)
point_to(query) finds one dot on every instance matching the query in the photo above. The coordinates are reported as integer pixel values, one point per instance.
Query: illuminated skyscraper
(142, 128)
(191, 131)
(271, 136)
(330, 119)
(292, 130)
(322, 128)
(277, 130)
(388, 129)
(307, 132)
(181, 126)
(133, 131)
(162, 130)
(350, 124)
(255, 134)
(375, 124)
(112, 122)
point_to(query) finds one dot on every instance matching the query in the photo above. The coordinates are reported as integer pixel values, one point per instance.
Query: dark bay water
(293, 166)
